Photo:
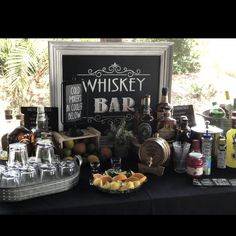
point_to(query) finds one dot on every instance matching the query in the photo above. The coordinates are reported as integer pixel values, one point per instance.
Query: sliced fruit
(106, 178)
(98, 182)
(131, 179)
(120, 177)
(97, 176)
(114, 185)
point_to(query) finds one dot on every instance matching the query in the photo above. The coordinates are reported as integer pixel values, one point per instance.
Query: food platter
(118, 182)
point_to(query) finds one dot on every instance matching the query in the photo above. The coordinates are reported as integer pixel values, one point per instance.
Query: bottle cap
(40, 109)
(164, 91)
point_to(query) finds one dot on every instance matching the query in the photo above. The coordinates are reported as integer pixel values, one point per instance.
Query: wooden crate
(88, 133)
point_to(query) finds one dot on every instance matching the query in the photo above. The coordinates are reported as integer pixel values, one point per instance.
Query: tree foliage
(24, 69)
(185, 55)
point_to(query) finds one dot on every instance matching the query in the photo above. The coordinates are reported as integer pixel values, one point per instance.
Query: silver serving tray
(15, 194)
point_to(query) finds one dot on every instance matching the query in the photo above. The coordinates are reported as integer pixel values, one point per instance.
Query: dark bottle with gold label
(145, 129)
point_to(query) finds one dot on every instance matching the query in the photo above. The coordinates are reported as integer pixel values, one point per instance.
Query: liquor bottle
(164, 102)
(231, 143)
(216, 111)
(137, 115)
(221, 154)
(207, 150)
(167, 126)
(228, 105)
(145, 130)
(41, 121)
(184, 131)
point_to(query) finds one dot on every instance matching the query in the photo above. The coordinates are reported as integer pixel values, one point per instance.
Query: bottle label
(221, 161)
(144, 131)
(198, 171)
(167, 132)
(206, 147)
(207, 165)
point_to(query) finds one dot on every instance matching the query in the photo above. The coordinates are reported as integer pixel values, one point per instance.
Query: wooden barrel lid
(154, 151)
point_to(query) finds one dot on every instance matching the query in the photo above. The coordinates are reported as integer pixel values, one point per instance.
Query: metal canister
(194, 164)
(207, 151)
(221, 155)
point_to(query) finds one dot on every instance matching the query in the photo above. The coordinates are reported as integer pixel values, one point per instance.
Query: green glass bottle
(216, 111)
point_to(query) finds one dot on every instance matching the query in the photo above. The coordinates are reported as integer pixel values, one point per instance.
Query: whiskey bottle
(137, 115)
(145, 130)
(167, 126)
(164, 102)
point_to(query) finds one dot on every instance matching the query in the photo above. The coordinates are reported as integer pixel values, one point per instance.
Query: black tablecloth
(171, 193)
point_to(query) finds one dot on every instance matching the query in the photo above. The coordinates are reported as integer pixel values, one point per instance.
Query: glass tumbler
(67, 168)
(44, 151)
(18, 154)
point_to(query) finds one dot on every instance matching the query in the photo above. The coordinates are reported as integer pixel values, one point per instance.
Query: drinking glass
(180, 154)
(44, 151)
(95, 167)
(9, 179)
(18, 154)
(28, 176)
(116, 163)
(67, 168)
(48, 172)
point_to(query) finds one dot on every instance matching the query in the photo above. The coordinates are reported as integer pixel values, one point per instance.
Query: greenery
(24, 67)
(185, 55)
(119, 133)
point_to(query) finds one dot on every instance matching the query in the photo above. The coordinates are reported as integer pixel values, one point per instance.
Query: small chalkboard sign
(184, 110)
(72, 107)
(31, 114)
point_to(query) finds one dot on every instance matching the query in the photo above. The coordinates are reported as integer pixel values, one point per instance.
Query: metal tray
(16, 194)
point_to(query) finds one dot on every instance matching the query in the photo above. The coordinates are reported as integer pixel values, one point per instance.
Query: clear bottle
(145, 130)
(216, 111)
(231, 143)
(41, 121)
(167, 126)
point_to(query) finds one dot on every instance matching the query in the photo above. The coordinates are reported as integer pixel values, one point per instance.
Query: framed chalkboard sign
(97, 83)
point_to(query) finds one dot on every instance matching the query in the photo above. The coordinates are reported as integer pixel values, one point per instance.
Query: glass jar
(194, 165)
